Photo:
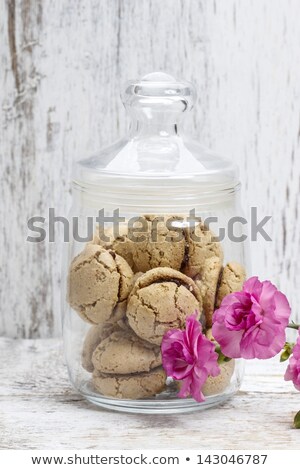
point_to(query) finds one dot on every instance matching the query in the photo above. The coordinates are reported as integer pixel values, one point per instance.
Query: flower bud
(297, 420)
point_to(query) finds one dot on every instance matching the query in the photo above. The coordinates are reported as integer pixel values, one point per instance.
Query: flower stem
(294, 326)
(221, 358)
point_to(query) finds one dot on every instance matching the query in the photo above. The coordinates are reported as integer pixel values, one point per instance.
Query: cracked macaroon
(160, 300)
(94, 336)
(200, 245)
(123, 352)
(232, 279)
(131, 386)
(98, 284)
(163, 243)
(218, 384)
(207, 281)
(116, 240)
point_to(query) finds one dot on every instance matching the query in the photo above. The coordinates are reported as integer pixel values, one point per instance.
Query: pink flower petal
(185, 389)
(228, 340)
(293, 369)
(253, 286)
(196, 386)
(190, 357)
(251, 323)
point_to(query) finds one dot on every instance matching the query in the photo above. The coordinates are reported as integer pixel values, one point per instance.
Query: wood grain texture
(39, 410)
(61, 69)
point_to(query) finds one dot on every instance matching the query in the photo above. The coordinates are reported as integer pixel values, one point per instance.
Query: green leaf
(297, 420)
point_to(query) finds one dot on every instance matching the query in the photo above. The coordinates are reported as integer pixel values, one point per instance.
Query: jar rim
(158, 197)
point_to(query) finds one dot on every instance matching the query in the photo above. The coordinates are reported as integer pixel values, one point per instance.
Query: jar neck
(159, 127)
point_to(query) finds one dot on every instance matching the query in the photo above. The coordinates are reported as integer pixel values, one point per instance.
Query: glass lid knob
(159, 91)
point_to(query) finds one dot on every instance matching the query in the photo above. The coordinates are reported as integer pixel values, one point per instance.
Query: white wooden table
(40, 410)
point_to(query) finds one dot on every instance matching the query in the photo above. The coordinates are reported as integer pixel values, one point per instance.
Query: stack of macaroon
(133, 289)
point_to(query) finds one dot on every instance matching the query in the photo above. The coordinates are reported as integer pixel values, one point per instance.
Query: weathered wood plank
(61, 69)
(39, 410)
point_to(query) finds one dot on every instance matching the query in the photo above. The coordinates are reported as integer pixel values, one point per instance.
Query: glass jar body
(120, 283)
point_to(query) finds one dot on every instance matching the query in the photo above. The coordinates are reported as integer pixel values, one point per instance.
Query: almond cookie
(200, 245)
(118, 241)
(163, 244)
(134, 386)
(135, 277)
(207, 282)
(218, 384)
(123, 352)
(94, 337)
(160, 300)
(232, 280)
(99, 282)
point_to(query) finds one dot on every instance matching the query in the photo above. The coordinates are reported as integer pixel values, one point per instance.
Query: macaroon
(162, 299)
(99, 282)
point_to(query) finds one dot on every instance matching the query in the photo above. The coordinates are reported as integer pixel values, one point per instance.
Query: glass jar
(156, 237)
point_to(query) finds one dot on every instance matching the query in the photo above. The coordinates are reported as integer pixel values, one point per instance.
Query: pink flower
(190, 357)
(251, 323)
(293, 369)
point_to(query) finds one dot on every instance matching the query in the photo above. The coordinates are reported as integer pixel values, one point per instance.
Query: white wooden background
(61, 70)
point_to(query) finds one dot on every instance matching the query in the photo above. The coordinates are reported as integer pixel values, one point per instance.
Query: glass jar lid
(156, 155)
